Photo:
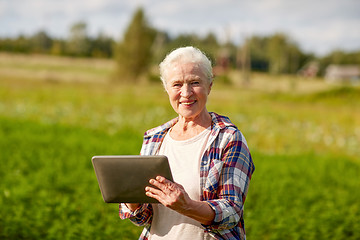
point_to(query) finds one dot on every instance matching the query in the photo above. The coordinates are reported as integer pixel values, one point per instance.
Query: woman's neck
(188, 128)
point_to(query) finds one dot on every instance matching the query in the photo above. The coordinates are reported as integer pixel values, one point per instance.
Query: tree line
(79, 44)
(142, 44)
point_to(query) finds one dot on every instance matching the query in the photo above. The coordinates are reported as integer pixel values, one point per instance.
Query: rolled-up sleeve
(140, 217)
(227, 184)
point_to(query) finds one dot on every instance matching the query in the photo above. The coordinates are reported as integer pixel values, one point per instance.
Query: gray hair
(186, 55)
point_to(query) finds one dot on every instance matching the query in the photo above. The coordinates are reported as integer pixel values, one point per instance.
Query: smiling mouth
(188, 103)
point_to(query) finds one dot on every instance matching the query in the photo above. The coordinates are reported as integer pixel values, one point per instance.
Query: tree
(339, 57)
(277, 54)
(78, 44)
(41, 42)
(133, 53)
(22, 44)
(102, 46)
(58, 47)
(257, 48)
(244, 61)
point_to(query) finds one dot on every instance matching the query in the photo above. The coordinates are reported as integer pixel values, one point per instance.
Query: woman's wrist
(200, 211)
(132, 206)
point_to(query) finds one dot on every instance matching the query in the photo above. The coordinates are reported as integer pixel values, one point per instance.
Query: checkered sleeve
(140, 217)
(228, 183)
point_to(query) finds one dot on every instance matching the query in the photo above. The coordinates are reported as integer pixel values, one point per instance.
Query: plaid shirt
(225, 172)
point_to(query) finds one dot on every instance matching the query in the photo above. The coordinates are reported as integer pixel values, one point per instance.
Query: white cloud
(317, 26)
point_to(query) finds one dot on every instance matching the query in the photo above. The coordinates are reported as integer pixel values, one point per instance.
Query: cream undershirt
(184, 159)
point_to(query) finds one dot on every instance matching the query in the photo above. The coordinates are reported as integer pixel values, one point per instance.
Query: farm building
(342, 73)
(310, 70)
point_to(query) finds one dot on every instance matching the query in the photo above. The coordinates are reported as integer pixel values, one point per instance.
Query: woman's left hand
(170, 194)
(174, 196)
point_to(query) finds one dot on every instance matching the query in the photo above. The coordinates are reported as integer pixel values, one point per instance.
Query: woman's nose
(186, 90)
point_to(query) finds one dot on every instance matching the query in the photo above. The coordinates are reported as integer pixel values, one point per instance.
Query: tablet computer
(122, 179)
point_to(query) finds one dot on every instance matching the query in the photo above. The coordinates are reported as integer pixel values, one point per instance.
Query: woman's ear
(210, 87)
(165, 88)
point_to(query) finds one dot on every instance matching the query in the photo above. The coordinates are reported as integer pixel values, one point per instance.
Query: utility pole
(244, 61)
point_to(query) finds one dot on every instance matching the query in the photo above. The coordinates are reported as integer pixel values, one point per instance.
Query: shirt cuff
(225, 215)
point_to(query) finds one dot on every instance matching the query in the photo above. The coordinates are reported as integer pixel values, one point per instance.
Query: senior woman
(209, 159)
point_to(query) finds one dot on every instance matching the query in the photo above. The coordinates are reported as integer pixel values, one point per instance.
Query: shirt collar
(217, 120)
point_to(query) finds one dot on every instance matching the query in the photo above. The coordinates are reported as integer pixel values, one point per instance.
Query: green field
(55, 113)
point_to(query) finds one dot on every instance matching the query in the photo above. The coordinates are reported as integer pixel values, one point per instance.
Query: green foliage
(342, 57)
(339, 95)
(48, 187)
(336, 96)
(304, 196)
(78, 44)
(41, 42)
(259, 60)
(339, 57)
(276, 54)
(223, 79)
(20, 44)
(102, 46)
(133, 53)
(209, 44)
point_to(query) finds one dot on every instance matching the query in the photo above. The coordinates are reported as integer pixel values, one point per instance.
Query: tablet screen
(122, 179)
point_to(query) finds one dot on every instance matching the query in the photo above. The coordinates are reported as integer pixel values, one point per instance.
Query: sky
(317, 26)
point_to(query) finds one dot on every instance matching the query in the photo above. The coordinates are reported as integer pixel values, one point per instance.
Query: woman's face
(188, 88)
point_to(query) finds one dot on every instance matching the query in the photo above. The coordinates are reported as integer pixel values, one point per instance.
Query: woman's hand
(169, 194)
(174, 196)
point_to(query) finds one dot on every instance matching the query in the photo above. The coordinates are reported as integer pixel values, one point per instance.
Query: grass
(305, 142)
(54, 69)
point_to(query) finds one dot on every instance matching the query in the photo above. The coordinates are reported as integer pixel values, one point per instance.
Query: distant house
(222, 62)
(310, 70)
(342, 73)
